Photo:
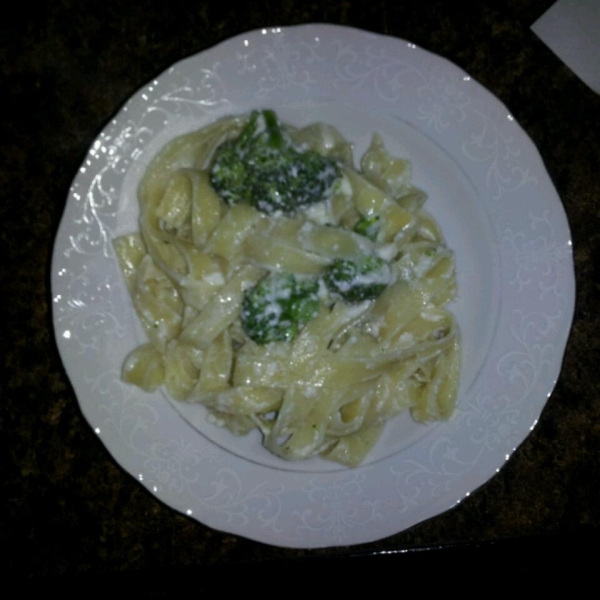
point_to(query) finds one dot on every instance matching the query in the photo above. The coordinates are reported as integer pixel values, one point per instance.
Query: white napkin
(571, 29)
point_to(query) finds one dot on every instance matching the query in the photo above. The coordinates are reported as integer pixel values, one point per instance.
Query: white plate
(499, 212)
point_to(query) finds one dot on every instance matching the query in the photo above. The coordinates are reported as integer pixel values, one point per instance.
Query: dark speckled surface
(69, 512)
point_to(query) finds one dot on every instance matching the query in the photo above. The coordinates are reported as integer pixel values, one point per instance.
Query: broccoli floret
(264, 168)
(368, 226)
(363, 278)
(276, 308)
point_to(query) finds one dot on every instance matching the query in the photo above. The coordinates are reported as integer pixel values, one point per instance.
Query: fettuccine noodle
(353, 366)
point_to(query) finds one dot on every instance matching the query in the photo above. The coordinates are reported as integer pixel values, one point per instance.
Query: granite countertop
(70, 513)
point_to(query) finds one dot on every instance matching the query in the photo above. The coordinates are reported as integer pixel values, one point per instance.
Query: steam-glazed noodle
(352, 366)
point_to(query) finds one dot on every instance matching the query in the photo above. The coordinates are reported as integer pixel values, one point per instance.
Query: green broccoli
(277, 307)
(263, 167)
(360, 279)
(368, 226)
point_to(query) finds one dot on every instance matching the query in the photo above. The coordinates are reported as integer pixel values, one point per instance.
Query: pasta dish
(286, 290)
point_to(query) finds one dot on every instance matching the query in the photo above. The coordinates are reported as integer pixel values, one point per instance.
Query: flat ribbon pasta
(351, 367)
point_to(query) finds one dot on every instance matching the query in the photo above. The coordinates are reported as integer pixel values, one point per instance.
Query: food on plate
(277, 306)
(263, 167)
(286, 290)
